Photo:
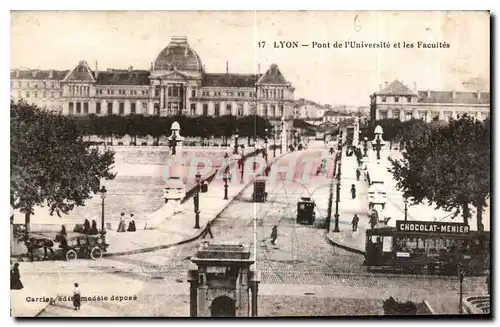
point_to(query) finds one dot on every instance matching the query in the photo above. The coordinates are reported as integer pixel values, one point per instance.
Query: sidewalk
(348, 207)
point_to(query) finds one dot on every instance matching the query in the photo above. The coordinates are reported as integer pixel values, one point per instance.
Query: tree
(50, 162)
(448, 165)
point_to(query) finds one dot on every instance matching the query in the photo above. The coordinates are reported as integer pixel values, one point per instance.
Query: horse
(33, 243)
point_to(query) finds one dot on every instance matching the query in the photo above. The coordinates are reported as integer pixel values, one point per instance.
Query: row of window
(79, 90)
(423, 115)
(395, 98)
(76, 108)
(43, 94)
(36, 85)
(228, 94)
(122, 92)
(273, 93)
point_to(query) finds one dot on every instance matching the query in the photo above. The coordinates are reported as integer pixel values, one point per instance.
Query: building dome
(178, 55)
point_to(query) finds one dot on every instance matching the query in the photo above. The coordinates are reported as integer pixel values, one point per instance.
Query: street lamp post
(225, 186)
(103, 196)
(337, 200)
(265, 144)
(406, 208)
(197, 201)
(242, 170)
(281, 135)
(274, 149)
(461, 275)
(236, 142)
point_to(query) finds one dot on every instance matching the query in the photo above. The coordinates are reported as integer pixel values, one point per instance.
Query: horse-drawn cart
(69, 247)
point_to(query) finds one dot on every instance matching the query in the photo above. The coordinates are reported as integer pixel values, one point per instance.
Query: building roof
(453, 97)
(234, 80)
(178, 54)
(123, 77)
(81, 72)
(333, 113)
(39, 74)
(396, 88)
(273, 76)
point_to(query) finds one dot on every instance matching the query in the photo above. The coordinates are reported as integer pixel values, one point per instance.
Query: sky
(337, 76)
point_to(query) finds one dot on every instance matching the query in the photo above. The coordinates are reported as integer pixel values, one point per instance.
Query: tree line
(156, 126)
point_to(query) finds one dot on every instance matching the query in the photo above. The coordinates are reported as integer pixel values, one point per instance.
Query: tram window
(387, 244)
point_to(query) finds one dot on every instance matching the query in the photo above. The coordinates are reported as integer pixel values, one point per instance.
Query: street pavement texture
(301, 275)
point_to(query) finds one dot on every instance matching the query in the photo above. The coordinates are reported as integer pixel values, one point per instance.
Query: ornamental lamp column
(103, 196)
(197, 200)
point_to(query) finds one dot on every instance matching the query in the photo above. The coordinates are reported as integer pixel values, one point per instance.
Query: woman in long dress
(86, 227)
(15, 278)
(121, 225)
(93, 229)
(131, 224)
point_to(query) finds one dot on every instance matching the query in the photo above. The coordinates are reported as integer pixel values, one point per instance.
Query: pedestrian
(208, 230)
(373, 219)
(86, 226)
(121, 225)
(93, 229)
(131, 224)
(355, 221)
(358, 174)
(76, 297)
(63, 231)
(268, 169)
(274, 234)
(15, 278)
(331, 151)
(353, 191)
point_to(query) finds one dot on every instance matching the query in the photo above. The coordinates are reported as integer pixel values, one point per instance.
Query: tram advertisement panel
(432, 227)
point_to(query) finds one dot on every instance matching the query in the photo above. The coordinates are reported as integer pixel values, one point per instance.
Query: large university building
(176, 84)
(398, 101)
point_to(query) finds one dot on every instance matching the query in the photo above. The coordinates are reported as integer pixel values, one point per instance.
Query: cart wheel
(96, 253)
(71, 255)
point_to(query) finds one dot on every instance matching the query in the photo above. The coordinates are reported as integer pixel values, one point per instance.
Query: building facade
(176, 84)
(335, 116)
(398, 101)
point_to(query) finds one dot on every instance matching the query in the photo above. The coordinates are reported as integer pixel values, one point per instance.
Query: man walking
(353, 191)
(274, 234)
(208, 231)
(358, 174)
(355, 221)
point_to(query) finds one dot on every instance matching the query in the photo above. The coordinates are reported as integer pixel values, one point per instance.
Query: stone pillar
(255, 296)
(162, 98)
(185, 92)
(193, 299)
(165, 92)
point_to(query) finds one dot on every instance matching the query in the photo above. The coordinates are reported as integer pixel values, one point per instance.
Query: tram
(427, 247)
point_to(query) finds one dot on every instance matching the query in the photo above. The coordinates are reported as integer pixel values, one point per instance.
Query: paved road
(302, 266)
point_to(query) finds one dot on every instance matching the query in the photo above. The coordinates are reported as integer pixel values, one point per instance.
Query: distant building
(308, 110)
(334, 116)
(398, 101)
(176, 84)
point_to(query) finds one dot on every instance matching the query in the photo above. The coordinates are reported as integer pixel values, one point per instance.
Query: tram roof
(392, 231)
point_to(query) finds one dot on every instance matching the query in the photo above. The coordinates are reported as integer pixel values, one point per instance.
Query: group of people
(131, 224)
(90, 230)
